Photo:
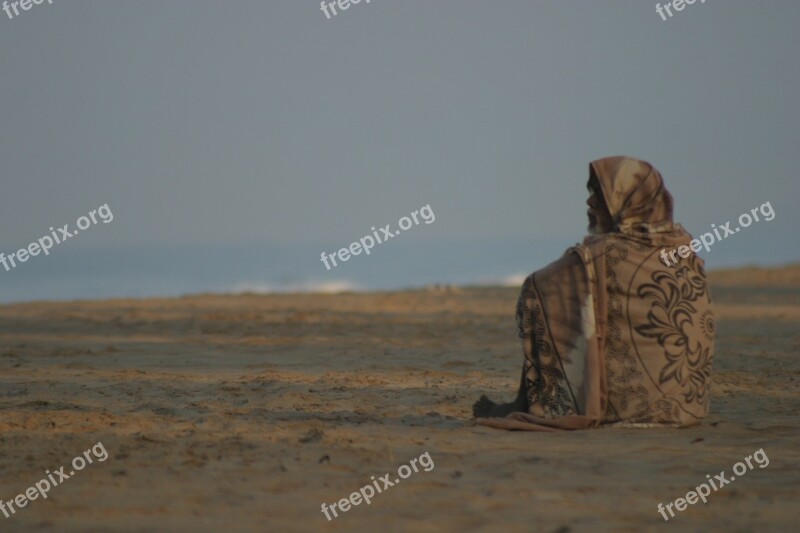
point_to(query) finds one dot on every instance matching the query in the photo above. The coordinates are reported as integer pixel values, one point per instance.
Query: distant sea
(70, 273)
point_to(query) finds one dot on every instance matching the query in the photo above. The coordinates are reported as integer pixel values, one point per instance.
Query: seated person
(611, 335)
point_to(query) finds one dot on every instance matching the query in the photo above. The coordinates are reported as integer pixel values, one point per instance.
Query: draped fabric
(610, 333)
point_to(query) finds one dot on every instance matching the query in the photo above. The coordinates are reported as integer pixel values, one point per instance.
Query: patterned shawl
(610, 333)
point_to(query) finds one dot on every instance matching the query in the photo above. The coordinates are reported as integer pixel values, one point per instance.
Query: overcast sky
(263, 122)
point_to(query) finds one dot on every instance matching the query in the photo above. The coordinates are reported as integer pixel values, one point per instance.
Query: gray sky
(263, 122)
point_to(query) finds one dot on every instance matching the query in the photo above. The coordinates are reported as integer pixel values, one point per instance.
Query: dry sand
(245, 413)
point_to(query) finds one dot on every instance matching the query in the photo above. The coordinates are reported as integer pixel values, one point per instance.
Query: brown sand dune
(246, 413)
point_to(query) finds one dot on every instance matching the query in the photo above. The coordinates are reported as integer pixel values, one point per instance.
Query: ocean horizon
(78, 273)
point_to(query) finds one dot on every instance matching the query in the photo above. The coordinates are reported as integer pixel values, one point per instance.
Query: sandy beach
(246, 413)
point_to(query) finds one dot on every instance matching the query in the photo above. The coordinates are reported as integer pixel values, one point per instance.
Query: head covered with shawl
(610, 334)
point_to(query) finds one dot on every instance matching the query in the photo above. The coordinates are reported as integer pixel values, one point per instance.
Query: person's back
(610, 333)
